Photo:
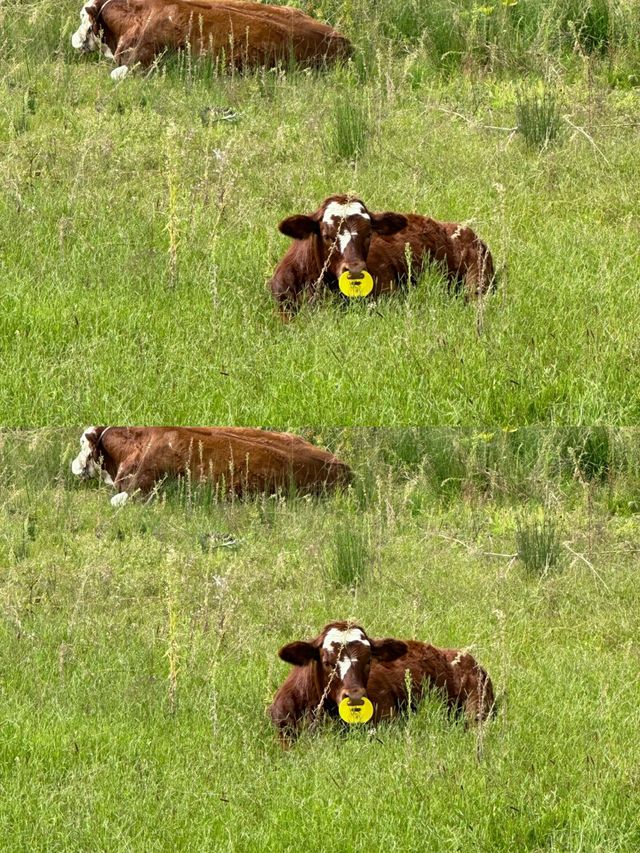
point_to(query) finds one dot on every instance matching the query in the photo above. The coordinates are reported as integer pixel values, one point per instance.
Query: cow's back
(249, 32)
(462, 682)
(251, 459)
(457, 248)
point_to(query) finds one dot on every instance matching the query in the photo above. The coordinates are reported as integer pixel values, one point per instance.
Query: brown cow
(344, 662)
(241, 32)
(344, 236)
(246, 460)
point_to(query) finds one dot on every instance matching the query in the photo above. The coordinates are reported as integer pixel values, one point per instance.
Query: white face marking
(342, 638)
(83, 38)
(335, 637)
(120, 499)
(83, 465)
(344, 238)
(342, 211)
(344, 665)
(119, 73)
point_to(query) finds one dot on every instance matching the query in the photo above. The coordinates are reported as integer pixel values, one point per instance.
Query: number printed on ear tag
(360, 285)
(356, 712)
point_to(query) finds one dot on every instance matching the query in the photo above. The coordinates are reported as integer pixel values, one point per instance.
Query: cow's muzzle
(353, 694)
(354, 268)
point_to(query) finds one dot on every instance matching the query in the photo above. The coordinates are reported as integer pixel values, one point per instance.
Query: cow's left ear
(299, 653)
(299, 227)
(388, 649)
(388, 223)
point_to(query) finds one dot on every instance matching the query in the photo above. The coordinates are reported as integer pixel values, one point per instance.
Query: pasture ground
(138, 651)
(139, 222)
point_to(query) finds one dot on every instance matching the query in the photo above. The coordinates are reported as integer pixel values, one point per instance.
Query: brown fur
(246, 460)
(246, 33)
(380, 675)
(381, 248)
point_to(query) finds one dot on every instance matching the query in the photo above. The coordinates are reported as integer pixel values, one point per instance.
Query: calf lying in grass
(238, 460)
(343, 236)
(238, 33)
(344, 666)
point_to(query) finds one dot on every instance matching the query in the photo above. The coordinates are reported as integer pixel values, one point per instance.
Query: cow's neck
(104, 441)
(109, 17)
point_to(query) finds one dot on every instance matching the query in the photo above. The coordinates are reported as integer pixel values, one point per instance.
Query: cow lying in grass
(239, 460)
(238, 32)
(344, 236)
(343, 662)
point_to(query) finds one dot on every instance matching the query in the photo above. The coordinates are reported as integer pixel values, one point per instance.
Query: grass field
(139, 222)
(138, 651)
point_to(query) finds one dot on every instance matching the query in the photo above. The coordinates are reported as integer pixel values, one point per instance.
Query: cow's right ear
(299, 653)
(299, 227)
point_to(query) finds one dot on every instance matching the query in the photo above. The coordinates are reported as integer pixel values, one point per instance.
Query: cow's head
(342, 654)
(87, 37)
(87, 463)
(343, 228)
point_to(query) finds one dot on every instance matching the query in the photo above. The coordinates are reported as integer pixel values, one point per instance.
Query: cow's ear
(388, 650)
(92, 12)
(388, 223)
(299, 227)
(299, 653)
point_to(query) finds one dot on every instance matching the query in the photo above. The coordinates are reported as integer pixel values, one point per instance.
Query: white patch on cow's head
(83, 39)
(344, 665)
(84, 465)
(120, 499)
(120, 72)
(344, 238)
(341, 211)
(336, 637)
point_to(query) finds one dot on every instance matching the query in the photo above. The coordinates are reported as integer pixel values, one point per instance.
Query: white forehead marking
(341, 211)
(341, 638)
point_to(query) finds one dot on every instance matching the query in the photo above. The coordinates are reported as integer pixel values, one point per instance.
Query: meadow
(138, 650)
(139, 222)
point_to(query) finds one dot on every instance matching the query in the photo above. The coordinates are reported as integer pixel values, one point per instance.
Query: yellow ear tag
(356, 712)
(360, 285)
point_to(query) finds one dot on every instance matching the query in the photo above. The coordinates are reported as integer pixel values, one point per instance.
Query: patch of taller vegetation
(350, 557)
(538, 543)
(349, 129)
(538, 117)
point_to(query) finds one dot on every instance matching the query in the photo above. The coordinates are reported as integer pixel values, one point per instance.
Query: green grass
(137, 665)
(139, 227)
(538, 543)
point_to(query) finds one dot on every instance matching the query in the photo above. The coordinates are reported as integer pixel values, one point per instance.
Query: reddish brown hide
(344, 662)
(241, 32)
(343, 235)
(243, 460)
